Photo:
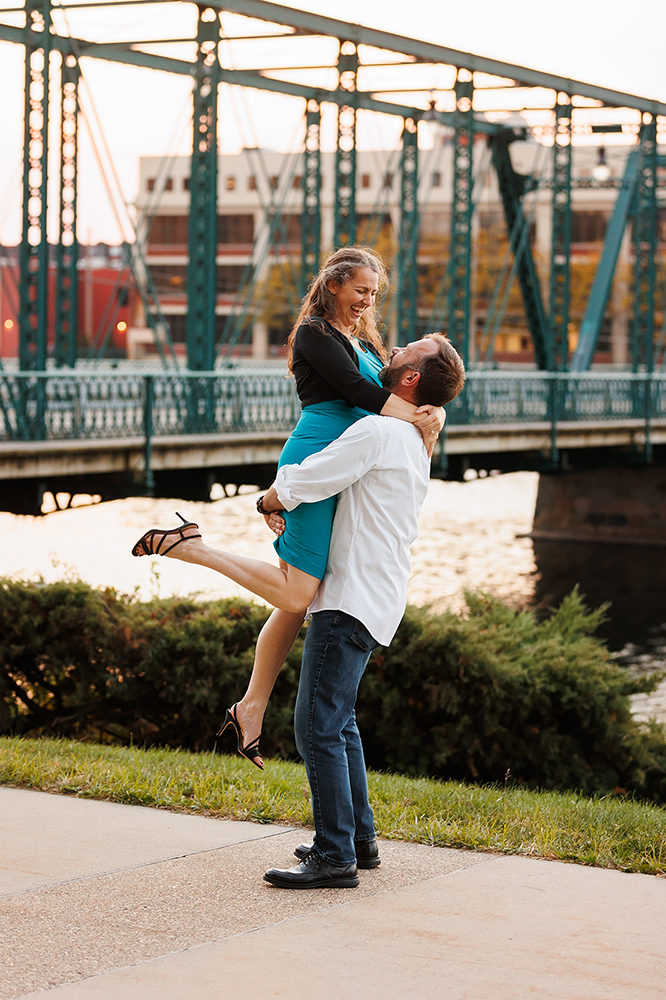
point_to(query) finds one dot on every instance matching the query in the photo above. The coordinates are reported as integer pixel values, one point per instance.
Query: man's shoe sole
(323, 883)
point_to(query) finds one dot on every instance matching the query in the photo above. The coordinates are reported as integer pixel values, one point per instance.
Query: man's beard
(390, 376)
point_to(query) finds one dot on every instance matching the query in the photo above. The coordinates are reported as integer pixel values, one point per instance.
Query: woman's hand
(429, 421)
(275, 522)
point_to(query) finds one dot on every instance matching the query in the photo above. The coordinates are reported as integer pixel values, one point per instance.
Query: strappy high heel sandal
(249, 751)
(146, 545)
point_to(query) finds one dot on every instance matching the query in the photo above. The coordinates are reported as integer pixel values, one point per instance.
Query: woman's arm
(328, 357)
(333, 363)
(428, 419)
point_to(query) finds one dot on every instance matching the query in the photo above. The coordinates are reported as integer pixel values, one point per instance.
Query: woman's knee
(299, 592)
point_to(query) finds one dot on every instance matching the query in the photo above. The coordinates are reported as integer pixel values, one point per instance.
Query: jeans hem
(331, 862)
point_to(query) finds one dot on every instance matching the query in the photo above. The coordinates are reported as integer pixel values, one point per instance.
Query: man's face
(404, 358)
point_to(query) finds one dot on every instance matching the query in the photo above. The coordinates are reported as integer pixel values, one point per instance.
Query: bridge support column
(408, 289)
(462, 208)
(67, 249)
(33, 253)
(344, 210)
(202, 232)
(624, 505)
(311, 216)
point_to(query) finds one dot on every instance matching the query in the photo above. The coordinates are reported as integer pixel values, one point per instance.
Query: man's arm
(329, 471)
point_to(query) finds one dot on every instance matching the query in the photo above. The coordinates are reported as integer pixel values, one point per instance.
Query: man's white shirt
(380, 468)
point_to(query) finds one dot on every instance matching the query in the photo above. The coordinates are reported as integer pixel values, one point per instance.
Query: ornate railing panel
(97, 406)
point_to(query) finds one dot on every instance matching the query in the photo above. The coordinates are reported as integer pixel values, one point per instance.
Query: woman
(336, 355)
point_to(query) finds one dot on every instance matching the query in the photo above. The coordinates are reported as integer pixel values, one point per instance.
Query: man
(380, 469)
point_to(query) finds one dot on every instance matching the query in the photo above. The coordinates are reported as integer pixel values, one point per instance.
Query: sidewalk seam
(147, 864)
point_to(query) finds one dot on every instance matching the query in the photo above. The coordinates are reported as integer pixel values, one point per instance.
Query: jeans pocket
(361, 638)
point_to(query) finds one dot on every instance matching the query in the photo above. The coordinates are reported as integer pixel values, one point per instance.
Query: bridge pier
(626, 504)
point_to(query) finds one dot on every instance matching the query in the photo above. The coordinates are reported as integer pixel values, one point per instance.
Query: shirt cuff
(284, 495)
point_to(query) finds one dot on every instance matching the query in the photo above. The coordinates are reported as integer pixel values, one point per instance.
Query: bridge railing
(57, 406)
(75, 406)
(507, 397)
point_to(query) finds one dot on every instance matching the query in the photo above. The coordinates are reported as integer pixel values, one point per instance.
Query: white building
(255, 179)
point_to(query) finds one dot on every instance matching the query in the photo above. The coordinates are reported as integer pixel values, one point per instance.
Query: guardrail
(58, 406)
(74, 406)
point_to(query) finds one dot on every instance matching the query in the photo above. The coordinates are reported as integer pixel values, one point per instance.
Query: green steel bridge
(118, 432)
(411, 80)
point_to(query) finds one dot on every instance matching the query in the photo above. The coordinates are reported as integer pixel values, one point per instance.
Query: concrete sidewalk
(109, 902)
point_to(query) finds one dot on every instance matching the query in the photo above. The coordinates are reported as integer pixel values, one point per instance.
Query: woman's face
(354, 297)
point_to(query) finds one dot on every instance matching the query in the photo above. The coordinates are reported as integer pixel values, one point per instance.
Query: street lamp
(601, 172)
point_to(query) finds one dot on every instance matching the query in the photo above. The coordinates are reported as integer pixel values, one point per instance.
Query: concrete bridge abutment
(625, 504)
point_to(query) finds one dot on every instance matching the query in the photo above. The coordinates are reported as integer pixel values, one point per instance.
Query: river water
(471, 535)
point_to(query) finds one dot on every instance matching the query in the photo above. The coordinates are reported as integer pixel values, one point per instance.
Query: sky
(143, 113)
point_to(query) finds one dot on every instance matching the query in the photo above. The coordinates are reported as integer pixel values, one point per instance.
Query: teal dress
(307, 534)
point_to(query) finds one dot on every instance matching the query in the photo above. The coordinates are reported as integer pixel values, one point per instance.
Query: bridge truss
(469, 105)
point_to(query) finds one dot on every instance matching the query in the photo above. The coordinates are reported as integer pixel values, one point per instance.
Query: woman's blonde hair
(340, 268)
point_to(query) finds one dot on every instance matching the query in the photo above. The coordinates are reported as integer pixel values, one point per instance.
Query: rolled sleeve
(332, 470)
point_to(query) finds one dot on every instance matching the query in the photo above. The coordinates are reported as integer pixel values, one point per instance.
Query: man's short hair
(442, 374)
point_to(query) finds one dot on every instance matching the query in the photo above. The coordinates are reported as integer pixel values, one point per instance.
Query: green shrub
(489, 696)
(94, 664)
(496, 696)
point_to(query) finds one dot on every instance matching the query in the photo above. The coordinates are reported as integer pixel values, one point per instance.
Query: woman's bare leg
(275, 640)
(283, 586)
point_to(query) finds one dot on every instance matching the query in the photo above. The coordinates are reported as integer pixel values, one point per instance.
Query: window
(230, 183)
(177, 326)
(168, 184)
(435, 223)
(297, 182)
(436, 178)
(186, 183)
(168, 230)
(169, 278)
(235, 229)
(365, 180)
(252, 183)
(388, 180)
(229, 278)
(273, 182)
(150, 184)
(588, 227)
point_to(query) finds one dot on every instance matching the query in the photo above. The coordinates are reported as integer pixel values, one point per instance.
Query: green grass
(608, 832)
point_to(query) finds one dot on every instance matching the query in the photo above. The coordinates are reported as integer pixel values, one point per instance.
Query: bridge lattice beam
(344, 210)
(202, 232)
(311, 214)
(560, 247)
(407, 290)
(67, 249)
(33, 254)
(645, 250)
(462, 208)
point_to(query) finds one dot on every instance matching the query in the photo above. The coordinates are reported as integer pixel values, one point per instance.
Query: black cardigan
(325, 366)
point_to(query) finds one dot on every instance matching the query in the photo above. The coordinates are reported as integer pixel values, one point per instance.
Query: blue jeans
(336, 653)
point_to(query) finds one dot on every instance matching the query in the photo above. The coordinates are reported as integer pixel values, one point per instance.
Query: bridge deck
(61, 426)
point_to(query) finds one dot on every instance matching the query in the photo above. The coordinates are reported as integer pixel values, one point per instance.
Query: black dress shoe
(313, 873)
(367, 853)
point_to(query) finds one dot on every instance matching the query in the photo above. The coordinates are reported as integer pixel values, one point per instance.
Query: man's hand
(276, 523)
(429, 421)
(274, 520)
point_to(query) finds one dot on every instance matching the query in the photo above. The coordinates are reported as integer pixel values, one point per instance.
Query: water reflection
(631, 577)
